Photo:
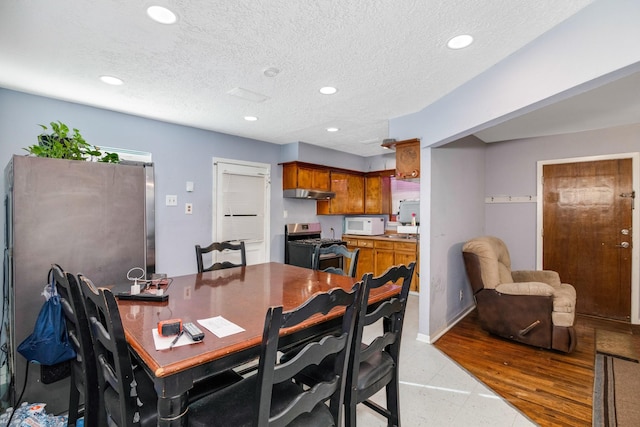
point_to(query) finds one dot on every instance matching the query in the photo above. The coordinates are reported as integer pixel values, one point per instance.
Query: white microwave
(366, 226)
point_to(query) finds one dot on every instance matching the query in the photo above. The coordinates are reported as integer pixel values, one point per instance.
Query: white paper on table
(220, 326)
(163, 343)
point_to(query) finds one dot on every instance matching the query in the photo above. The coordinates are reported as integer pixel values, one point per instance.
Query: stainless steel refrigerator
(91, 218)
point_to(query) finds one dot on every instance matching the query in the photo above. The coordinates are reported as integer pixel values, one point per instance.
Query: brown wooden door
(587, 208)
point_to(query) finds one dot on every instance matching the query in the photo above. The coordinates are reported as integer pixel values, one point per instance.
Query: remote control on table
(193, 331)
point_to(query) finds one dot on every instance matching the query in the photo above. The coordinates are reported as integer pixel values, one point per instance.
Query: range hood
(304, 193)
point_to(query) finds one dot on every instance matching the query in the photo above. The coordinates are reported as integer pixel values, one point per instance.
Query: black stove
(300, 242)
(320, 241)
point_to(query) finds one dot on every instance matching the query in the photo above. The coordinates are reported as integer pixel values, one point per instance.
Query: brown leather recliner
(532, 307)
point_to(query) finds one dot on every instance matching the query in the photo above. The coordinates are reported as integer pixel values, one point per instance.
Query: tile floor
(435, 391)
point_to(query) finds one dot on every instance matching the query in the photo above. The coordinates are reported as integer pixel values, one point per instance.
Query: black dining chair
(270, 397)
(128, 399)
(373, 366)
(350, 256)
(84, 376)
(219, 247)
(128, 394)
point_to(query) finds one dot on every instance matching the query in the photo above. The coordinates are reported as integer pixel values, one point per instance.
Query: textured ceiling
(387, 59)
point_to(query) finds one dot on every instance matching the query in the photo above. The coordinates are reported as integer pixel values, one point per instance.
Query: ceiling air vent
(247, 95)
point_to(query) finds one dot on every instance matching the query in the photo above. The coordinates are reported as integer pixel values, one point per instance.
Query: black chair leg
(350, 415)
(393, 401)
(74, 399)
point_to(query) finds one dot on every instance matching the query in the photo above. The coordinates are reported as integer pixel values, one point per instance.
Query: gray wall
(462, 174)
(180, 154)
(511, 170)
(577, 55)
(457, 177)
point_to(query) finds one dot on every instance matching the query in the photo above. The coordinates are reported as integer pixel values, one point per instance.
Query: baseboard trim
(431, 339)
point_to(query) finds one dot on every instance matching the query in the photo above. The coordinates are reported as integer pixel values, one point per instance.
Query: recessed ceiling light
(162, 15)
(271, 72)
(328, 90)
(110, 80)
(332, 129)
(459, 42)
(250, 118)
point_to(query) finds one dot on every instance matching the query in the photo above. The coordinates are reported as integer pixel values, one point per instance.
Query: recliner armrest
(545, 276)
(526, 288)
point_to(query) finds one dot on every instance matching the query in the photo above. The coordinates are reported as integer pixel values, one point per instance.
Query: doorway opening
(588, 230)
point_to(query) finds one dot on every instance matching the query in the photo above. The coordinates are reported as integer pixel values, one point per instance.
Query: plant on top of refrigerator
(60, 143)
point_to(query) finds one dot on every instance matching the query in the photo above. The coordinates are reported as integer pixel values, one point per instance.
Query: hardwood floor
(551, 388)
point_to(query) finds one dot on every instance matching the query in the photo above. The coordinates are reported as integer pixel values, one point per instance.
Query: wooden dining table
(240, 295)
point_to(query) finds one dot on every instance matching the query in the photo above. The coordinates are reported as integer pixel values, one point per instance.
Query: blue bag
(49, 343)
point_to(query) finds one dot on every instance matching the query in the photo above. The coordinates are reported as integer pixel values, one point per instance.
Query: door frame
(635, 219)
(267, 206)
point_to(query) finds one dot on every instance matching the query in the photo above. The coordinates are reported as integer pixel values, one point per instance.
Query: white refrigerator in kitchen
(91, 218)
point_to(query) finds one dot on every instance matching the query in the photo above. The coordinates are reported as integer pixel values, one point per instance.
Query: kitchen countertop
(393, 237)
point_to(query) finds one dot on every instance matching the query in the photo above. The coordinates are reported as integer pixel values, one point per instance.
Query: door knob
(623, 245)
(624, 231)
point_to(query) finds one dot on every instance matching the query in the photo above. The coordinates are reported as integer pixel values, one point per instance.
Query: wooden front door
(587, 212)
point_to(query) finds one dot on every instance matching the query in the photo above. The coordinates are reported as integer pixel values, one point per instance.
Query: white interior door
(241, 206)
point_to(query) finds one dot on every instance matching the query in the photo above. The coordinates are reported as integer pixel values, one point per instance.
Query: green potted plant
(60, 143)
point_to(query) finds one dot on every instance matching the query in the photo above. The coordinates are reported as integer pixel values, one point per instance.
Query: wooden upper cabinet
(349, 200)
(305, 175)
(377, 198)
(357, 193)
(408, 159)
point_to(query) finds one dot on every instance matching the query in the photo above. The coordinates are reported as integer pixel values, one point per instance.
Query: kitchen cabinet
(349, 200)
(378, 253)
(377, 193)
(305, 175)
(365, 256)
(383, 256)
(406, 253)
(357, 193)
(390, 252)
(407, 158)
